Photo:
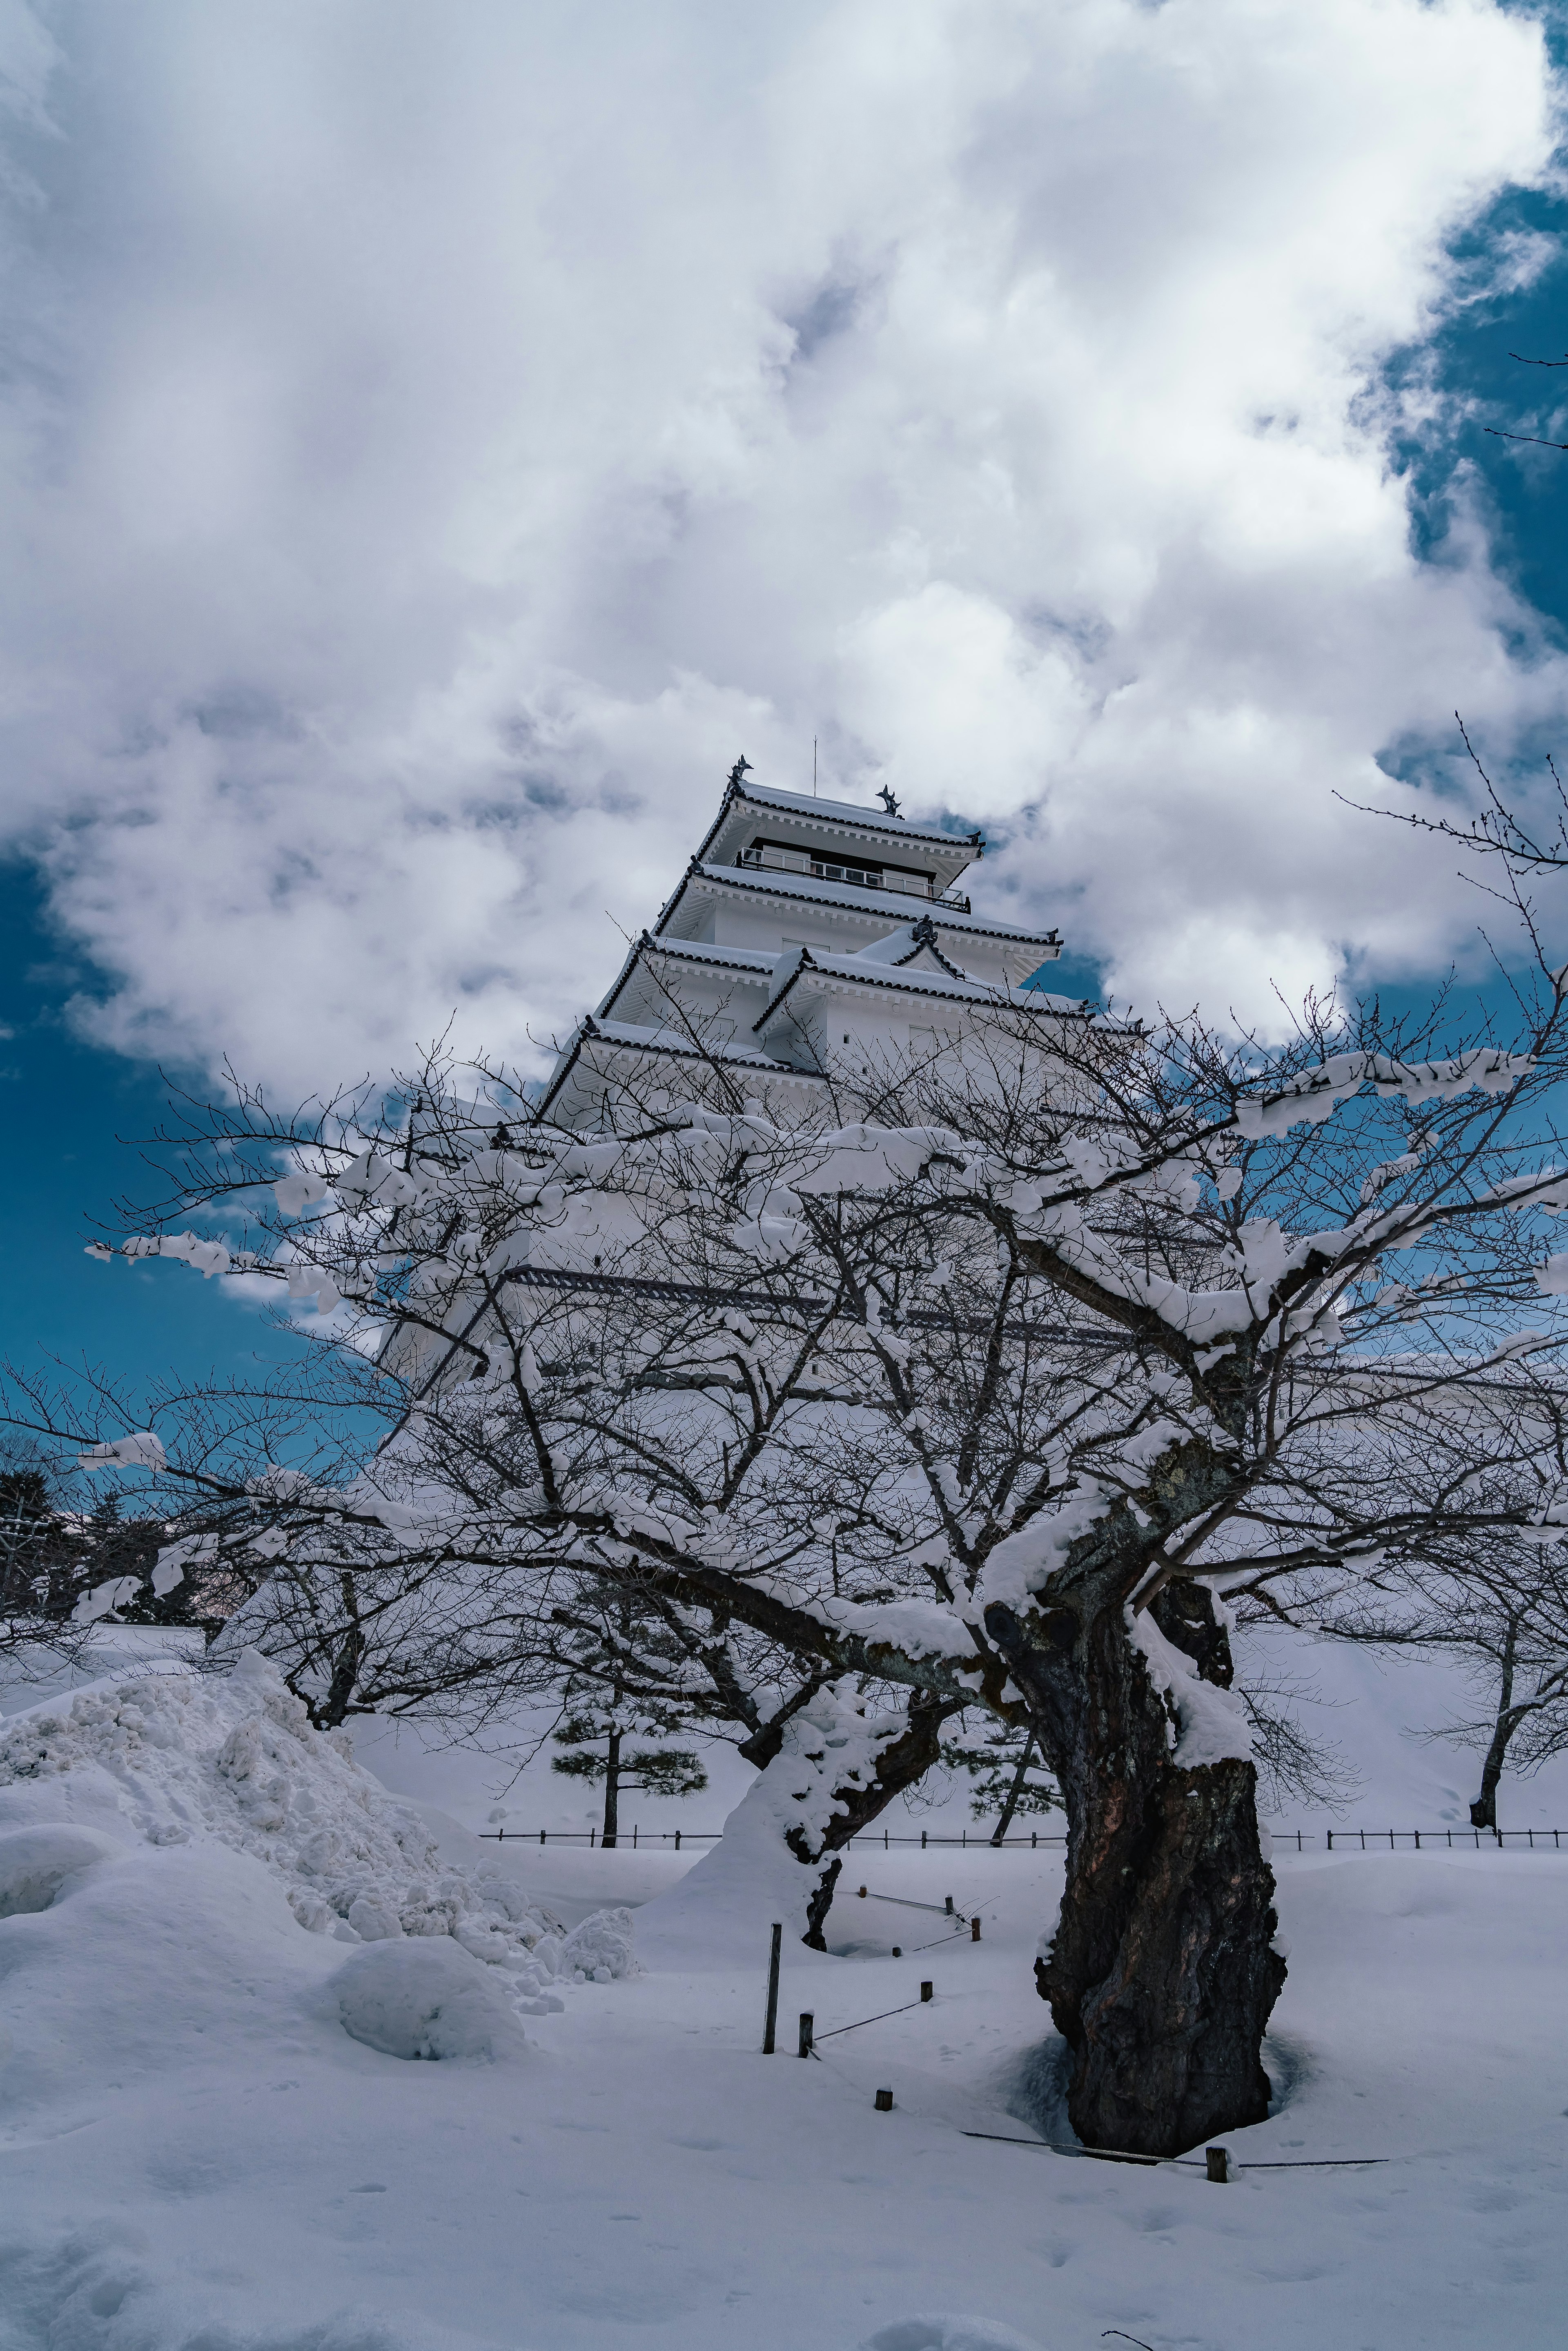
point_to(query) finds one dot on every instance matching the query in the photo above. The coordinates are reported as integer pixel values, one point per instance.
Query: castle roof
(886, 835)
(804, 889)
(664, 1044)
(886, 884)
(924, 971)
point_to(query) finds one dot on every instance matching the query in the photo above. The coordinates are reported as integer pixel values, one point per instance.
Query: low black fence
(1031, 1841)
(1418, 1840)
(591, 1837)
(885, 1843)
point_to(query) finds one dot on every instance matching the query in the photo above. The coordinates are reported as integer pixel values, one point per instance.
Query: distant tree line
(55, 1555)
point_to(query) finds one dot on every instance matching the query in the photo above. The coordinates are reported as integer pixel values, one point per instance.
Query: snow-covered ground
(204, 2149)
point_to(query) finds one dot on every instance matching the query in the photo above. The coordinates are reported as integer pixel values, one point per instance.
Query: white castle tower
(807, 940)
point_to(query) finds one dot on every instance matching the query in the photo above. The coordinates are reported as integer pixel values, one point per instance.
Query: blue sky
(430, 460)
(75, 1113)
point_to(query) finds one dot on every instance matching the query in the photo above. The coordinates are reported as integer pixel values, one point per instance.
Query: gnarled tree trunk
(829, 1768)
(1162, 1973)
(857, 1796)
(899, 1765)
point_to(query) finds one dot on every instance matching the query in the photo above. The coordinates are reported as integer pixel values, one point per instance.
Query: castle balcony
(765, 858)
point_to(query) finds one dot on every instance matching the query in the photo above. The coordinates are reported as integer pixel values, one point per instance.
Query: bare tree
(1516, 1643)
(1501, 1612)
(993, 1397)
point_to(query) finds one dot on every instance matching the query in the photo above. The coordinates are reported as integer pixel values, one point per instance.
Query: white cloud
(446, 438)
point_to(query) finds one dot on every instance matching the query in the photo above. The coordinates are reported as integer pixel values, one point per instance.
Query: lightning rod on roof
(813, 767)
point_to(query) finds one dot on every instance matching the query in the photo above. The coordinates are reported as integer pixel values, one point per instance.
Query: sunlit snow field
(196, 2153)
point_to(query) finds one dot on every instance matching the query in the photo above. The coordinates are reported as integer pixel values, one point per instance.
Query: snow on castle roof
(853, 971)
(892, 832)
(805, 891)
(664, 1044)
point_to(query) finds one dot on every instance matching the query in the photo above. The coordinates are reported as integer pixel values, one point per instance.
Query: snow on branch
(1316, 1093)
(143, 1451)
(205, 1257)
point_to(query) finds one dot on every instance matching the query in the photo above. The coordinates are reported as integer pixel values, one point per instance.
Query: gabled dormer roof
(807, 971)
(745, 964)
(913, 947)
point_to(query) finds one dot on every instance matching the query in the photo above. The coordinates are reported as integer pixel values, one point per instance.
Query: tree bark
(1161, 1974)
(612, 1789)
(1483, 1812)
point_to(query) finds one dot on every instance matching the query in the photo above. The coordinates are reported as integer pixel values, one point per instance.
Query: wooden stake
(770, 2029)
(927, 1991)
(1218, 2159)
(884, 2102)
(807, 2022)
(973, 1930)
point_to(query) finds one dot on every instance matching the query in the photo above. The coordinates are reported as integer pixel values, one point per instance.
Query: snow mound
(601, 1947)
(942, 2332)
(425, 1999)
(35, 1863)
(169, 1756)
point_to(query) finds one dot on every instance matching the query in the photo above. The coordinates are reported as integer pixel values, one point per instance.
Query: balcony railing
(859, 877)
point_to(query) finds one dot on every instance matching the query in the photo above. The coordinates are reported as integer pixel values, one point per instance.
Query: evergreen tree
(1008, 1776)
(35, 1571)
(606, 1713)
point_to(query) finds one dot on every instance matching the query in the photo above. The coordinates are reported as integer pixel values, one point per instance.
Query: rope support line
(873, 2019)
(1184, 2162)
(1284, 1840)
(938, 1943)
(900, 1902)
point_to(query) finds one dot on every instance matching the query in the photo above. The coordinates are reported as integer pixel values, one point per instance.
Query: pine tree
(596, 1736)
(605, 1713)
(1007, 1776)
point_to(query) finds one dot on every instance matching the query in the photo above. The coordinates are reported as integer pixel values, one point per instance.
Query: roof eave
(884, 826)
(722, 878)
(1012, 1000)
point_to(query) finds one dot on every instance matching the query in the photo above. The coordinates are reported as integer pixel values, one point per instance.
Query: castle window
(782, 857)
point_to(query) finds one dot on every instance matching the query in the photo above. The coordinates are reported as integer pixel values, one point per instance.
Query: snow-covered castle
(807, 940)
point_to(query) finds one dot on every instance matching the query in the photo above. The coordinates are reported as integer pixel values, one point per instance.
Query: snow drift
(172, 1757)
